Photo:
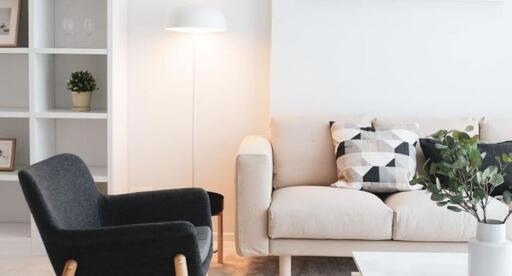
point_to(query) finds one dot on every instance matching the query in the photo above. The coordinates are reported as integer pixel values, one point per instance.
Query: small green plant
(466, 186)
(81, 81)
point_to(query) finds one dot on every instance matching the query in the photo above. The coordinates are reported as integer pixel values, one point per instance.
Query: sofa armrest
(253, 196)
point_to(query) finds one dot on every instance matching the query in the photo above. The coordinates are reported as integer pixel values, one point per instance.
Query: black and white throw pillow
(375, 160)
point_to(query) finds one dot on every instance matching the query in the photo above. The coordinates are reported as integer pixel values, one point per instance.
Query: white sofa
(286, 208)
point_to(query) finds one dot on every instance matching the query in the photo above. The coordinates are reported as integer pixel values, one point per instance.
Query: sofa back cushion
(496, 129)
(303, 149)
(428, 125)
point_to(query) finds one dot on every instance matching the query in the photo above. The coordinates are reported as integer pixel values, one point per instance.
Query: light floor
(40, 265)
(234, 265)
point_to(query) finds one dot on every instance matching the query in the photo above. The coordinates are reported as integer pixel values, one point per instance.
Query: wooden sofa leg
(180, 265)
(285, 265)
(70, 268)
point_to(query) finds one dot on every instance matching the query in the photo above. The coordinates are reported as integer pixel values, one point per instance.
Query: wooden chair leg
(70, 268)
(180, 265)
(220, 238)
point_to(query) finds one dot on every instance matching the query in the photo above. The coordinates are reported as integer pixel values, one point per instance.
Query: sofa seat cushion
(417, 218)
(316, 212)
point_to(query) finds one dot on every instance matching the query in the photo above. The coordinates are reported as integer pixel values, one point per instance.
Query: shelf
(71, 51)
(11, 175)
(12, 232)
(55, 51)
(99, 174)
(14, 50)
(70, 114)
(14, 112)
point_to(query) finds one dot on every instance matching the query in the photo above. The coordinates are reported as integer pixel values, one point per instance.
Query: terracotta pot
(81, 101)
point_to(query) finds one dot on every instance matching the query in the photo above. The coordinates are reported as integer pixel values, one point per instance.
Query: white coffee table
(407, 264)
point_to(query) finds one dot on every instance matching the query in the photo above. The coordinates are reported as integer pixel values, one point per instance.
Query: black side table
(217, 209)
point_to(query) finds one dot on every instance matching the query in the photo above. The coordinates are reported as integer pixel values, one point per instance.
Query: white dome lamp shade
(197, 19)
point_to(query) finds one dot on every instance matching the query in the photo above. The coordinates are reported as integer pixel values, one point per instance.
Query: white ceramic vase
(490, 253)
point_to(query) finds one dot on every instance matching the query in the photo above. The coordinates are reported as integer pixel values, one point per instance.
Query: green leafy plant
(466, 185)
(81, 81)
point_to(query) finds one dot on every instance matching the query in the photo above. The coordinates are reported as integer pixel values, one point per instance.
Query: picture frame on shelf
(9, 22)
(7, 154)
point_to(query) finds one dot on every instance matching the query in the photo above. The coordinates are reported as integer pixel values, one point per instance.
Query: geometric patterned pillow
(375, 160)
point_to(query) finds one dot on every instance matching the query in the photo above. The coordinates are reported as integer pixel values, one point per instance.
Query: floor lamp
(196, 19)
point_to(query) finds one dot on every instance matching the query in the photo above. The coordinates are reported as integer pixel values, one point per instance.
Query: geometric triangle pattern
(378, 160)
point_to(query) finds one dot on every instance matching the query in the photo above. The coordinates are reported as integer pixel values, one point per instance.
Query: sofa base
(286, 248)
(344, 248)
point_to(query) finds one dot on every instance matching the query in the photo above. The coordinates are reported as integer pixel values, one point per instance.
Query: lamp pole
(196, 19)
(194, 114)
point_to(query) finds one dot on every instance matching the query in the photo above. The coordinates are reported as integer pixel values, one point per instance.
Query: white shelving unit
(67, 114)
(36, 107)
(71, 51)
(14, 50)
(14, 112)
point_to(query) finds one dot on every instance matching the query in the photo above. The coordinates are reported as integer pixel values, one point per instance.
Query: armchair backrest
(61, 194)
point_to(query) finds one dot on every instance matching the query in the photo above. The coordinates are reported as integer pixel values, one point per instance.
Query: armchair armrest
(129, 249)
(191, 204)
(253, 196)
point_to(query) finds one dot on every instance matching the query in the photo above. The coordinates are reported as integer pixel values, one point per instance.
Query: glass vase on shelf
(89, 26)
(68, 26)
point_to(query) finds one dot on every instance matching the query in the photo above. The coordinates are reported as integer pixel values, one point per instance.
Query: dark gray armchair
(133, 234)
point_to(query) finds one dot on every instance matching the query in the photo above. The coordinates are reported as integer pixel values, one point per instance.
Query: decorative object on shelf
(81, 84)
(196, 19)
(68, 26)
(9, 22)
(89, 26)
(469, 188)
(7, 154)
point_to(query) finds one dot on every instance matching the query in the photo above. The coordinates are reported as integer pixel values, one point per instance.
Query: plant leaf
(497, 179)
(442, 203)
(507, 197)
(437, 197)
(454, 208)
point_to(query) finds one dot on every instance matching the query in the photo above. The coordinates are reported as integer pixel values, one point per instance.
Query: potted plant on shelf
(460, 183)
(81, 84)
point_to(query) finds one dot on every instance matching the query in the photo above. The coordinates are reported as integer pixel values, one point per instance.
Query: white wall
(344, 56)
(232, 93)
(392, 57)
